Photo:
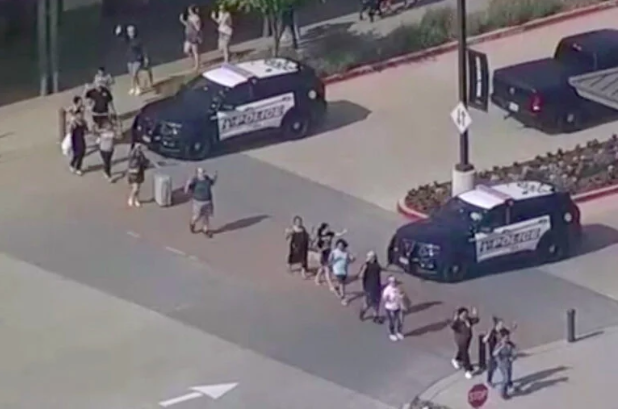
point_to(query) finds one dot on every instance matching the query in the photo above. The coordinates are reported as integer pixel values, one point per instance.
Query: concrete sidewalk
(18, 131)
(558, 375)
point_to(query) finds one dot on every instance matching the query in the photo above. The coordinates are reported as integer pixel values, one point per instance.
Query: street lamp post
(43, 46)
(463, 175)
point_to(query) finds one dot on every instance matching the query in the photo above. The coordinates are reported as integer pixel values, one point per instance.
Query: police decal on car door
(263, 114)
(510, 239)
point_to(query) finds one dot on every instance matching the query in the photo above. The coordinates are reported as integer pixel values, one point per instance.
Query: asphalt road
(232, 288)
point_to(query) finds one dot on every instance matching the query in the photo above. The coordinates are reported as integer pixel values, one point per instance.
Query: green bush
(505, 13)
(439, 23)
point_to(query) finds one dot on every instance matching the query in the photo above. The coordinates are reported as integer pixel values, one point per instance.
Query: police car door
(243, 114)
(501, 237)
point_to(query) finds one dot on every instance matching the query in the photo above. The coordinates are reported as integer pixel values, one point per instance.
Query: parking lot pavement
(69, 346)
(235, 287)
(599, 248)
(395, 132)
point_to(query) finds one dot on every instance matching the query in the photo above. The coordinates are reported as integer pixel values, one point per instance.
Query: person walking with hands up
(462, 327)
(193, 34)
(223, 19)
(394, 301)
(339, 260)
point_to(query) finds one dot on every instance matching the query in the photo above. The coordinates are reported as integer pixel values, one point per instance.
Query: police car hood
(177, 109)
(434, 231)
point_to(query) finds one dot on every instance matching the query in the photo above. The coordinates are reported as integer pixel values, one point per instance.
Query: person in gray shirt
(106, 142)
(200, 187)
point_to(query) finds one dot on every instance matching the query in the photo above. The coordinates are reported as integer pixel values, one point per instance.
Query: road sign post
(463, 175)
(478, 395)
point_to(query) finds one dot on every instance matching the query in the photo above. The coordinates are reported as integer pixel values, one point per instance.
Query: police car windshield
(457, 208)
(201, 85)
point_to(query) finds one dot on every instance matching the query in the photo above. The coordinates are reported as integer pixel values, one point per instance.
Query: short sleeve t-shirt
(339, 262)
(202, 189)
(101, 99)
(393, 298)
(135, 50)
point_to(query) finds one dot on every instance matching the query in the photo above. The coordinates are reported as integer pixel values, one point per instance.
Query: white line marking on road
(175, 251)
(180, 399)
(133, 234)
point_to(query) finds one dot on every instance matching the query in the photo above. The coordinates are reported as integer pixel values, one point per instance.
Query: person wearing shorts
(223, 19)
(339, 260)
(138, 163)
(193, 34)
(200, 187)
(137, 59)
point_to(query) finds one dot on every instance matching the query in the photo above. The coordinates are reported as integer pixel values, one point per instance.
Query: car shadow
(340, 114)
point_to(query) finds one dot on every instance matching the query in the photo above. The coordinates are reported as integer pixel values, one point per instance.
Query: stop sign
(478, 395)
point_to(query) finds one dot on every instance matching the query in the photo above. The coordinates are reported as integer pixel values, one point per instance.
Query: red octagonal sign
(478, 395)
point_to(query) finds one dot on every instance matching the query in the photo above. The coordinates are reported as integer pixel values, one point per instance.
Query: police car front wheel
(198, 150)
(296, 125)
(453, 273)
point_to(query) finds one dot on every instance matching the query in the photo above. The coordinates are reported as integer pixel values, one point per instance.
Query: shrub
(437, 26)
(504, 13)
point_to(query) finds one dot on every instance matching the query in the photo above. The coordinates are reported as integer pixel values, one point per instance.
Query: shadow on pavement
(434, 327)
(240, 224)
(422, 307)
(590, 335)
(596, 237)
(340, 114)
(539, 380)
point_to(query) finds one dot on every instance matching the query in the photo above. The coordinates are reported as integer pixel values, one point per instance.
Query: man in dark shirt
(201, 188)
(101, 104)
(137, 59)
(462, 327)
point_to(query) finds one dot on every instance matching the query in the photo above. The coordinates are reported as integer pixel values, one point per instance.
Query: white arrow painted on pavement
(212, 391)
(215, 391)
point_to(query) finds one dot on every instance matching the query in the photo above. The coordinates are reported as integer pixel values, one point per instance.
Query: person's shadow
(539, 380)
(240, 224)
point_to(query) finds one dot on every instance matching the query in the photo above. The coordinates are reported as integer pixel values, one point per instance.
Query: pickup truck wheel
(296, 125)
(570, 122)
(550, 249)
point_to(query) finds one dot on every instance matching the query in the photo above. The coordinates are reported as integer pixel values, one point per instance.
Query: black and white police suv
(276, 94)
(485, 226)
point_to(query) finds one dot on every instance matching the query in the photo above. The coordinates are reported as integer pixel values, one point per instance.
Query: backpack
(135, 163)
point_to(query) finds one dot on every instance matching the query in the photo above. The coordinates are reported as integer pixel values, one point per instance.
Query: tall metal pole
(54, 52)
(463, 165)
(43, 46)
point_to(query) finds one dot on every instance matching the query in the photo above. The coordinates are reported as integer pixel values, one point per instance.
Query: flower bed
(579, 170)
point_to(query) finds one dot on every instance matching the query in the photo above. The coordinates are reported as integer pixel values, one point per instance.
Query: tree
(271, 10)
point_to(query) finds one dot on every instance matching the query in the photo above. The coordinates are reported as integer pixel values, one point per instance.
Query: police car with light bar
(488, 225)
(229, 101)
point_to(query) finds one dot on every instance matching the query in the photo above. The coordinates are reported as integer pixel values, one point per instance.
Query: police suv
(276, 94)
(485, 226)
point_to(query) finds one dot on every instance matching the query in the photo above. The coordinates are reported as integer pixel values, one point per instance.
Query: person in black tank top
(324, 244)
(372, 286)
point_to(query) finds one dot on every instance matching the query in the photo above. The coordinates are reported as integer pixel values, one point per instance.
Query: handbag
(67, 145)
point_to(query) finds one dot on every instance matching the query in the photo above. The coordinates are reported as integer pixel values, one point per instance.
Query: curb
(415, 215)
(453, 45)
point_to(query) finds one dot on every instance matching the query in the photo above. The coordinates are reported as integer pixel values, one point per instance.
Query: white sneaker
(344, 302)
(130, 203)
(138, 92)
(468, 375)
(79, 172)
(400, 336)
(393, 338)
(455, 364)
(132, 91)
(137, 203)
